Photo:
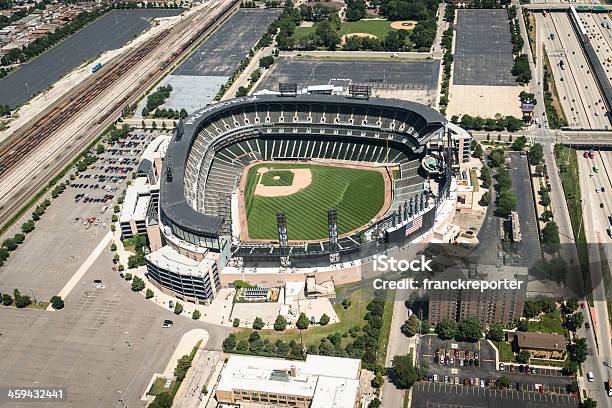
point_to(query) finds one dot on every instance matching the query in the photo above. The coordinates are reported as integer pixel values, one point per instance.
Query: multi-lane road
(580, 97)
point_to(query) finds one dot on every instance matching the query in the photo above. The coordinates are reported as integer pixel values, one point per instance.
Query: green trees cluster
(262, 347)
(499, 123)
(550, 234)
(538, 305)
(519, 143)
(285, 26)
(420, 10)
(318, 12)
(356, 10)
(411, 327)
(394, 41)
(404, 374)
(496, 332)
(139, 242)
(521, 69)
(156, 99)
(536, 154)
(466, 330)
(21, 301)
(137, 284)
(40, 45)
(5, 110)
(576, 355)
(166, 113)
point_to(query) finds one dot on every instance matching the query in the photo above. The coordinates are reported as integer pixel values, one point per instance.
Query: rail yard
(38, 151)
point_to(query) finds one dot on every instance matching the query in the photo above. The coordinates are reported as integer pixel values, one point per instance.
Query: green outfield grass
(277, 178)
(356, 194)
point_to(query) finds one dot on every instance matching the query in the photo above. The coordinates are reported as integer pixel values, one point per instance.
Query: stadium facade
(210, 149)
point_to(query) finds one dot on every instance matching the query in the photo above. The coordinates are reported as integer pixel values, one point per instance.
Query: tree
(258, 324)
(411, 326)
(446, 329)
(280, 323)
(522, 325)
(137, 284)
(588, 403)
(404, 374)
(149, 294)
(503, 382)
(162, 400)
(577, 351)
(7, 300)
(266, 62)
(478, 152)
(100, 149)
(536, 154)
(486, 176)
(113, 247)
(424, 327)
(469, 330)
(378, 380)
(22, 301)
(128, 277)
(324, 319)
(572, 387)
(57, 303)
(497, 157)
(178, 308)
(236, 322)
(196, 315)
(532, 308)
(181, 368)
(375, 403)
(523, 357)
(302, 322)
(550, 233)
(571, 305)
(229, 343)
(10, 244)
(242, 91)
(485, 200)
(521, 69)
(346, 303)
(519, 143)
(496, 332)
(574, 321)
(506, 203)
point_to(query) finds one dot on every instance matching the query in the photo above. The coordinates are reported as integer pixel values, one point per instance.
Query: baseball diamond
(358, 193)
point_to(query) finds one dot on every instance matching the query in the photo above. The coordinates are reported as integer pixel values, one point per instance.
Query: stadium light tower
(283, 239)
(332, 229)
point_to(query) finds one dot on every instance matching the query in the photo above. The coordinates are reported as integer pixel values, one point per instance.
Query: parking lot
(483, 52)
(74, 224)
(432, 395)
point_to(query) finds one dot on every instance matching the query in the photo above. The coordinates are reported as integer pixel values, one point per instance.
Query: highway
(596, 225)
(29, 175)
(578, 91)
(600, 37)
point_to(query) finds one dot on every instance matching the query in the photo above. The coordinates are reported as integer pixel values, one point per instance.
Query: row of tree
(499, 123)
(447, 59)
(20, 300)
(468, 330)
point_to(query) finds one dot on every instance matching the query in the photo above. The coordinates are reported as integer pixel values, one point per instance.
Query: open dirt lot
(484, 101)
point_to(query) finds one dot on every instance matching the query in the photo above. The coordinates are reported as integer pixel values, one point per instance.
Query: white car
(590, 376)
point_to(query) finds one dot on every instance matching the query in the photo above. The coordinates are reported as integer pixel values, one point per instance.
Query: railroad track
(29, 140)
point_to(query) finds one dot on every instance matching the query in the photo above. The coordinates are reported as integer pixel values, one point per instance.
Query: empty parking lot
(483, 52)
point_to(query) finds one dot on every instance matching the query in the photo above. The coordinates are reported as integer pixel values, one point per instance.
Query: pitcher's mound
(403, 25)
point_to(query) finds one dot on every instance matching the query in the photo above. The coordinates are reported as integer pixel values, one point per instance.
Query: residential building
(489, 306)
(318, 382)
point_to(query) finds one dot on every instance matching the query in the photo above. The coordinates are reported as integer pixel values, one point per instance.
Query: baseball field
(304, 192)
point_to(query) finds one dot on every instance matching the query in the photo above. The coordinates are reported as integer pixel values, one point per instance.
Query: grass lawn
(551, 363)
(385, 329)
(550, 323)
(353, 316)
(379, 28)
(356, 194)
(158, 386)
(554, 110)
(277, 178)
(505, 351)
(568, 164)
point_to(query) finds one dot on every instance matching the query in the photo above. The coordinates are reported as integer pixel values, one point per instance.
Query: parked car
(167, 324)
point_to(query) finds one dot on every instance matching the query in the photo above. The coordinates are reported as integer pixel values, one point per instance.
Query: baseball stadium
(303, 181)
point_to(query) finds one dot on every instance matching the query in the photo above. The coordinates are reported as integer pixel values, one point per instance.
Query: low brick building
(540, 345)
